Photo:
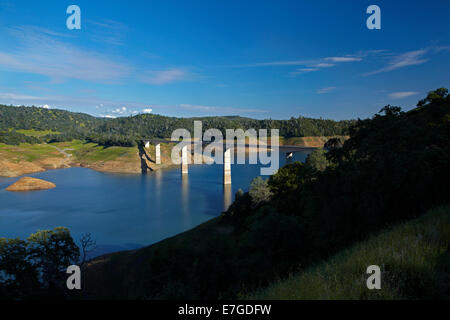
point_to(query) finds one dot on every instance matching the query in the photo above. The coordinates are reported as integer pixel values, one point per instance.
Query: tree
(333, 143)
(438, 94)
(52, 251)
(259, 191)
(317, 160)
(287, 179)
(35, 268)
(87, 245)
(18, 277)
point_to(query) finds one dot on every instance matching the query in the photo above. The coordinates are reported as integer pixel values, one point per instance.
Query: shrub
(259, 191)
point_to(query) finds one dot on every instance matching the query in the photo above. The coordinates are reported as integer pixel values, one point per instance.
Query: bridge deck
(285, 148)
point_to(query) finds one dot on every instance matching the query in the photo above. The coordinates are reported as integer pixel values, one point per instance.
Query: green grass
(414, 259)
(80, 150)
(93, 152)
(28, 152)
(74, 145)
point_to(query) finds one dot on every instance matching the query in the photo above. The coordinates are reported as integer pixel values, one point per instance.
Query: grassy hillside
(81, 151)
(414, 259)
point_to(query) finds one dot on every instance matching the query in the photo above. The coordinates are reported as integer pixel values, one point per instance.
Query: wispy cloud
(109, 32)
(343, 59)
(325, 90)
(402, 94)
(308, 66)
(48, 53)
(303, 70)
(165, 76)
(318, 63)
(222, 110)
(410, 58)
(406, 59)
(40, 52)
(275, 63)
(324, 65)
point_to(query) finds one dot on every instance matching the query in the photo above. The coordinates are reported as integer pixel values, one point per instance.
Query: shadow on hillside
(143, 155)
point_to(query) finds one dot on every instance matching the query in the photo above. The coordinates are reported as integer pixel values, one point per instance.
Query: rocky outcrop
(30, 184)
(12, 169)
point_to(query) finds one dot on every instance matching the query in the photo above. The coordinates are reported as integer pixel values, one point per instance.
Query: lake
(123, 211)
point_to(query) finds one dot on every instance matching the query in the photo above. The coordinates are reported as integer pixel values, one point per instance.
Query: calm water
(122, 211)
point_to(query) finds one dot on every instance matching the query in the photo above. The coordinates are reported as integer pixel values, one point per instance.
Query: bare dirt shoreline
(13, 162)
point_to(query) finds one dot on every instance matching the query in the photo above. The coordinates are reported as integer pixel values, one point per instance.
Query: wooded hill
(125, 131)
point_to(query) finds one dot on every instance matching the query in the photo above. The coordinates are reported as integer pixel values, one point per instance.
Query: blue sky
(259, 59)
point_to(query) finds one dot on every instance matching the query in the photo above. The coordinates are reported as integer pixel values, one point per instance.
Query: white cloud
(310, 65)
(46, 106)
(303, 70)
(41, 53)
(324, 65)
(164, 76)
(318, 63)
(121, 111)
(343, 59)
(108, 31)
(222, 110)
(325, 90)
(44, 52)
(402, 94)
(406, 59)
(147, 110)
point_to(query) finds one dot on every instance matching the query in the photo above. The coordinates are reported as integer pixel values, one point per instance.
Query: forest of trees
(125, 131)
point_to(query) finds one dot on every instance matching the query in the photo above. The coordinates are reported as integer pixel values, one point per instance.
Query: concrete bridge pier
(227, 167)
(147, 144)
(184, 160)
(158, 154)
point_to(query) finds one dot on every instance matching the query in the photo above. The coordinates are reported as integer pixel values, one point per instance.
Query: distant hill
(46, 119)
(153, 125)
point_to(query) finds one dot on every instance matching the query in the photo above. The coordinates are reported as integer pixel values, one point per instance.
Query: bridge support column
(227, 167)
(147, 144)
(184, 160)
(158, 153)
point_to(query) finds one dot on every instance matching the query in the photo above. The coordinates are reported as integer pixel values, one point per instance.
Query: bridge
(287, 149)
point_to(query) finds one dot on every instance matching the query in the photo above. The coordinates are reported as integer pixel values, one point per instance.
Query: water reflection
(227, 196)
(185, 207)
